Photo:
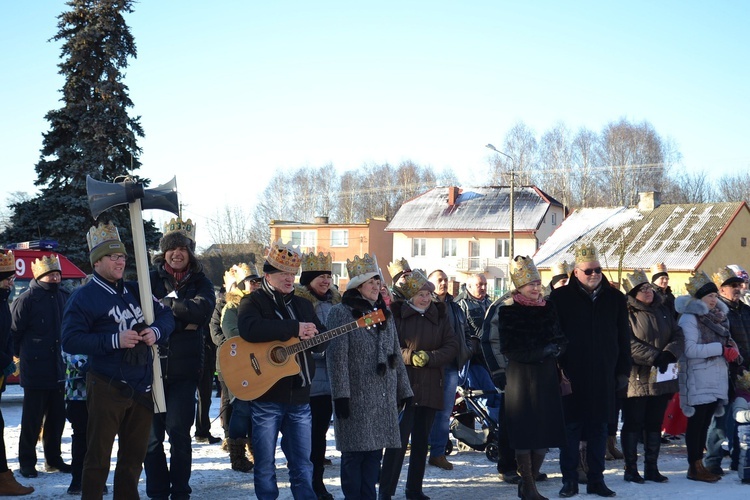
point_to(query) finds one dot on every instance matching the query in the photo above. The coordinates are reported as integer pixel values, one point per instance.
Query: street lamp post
(512, 195)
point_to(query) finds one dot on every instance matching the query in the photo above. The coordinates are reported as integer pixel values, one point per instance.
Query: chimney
(648, 200)
(453, 193)
(321, 219)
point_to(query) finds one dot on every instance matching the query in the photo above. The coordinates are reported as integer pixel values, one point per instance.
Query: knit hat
(7, 265)
(104, 239)
(699, 285)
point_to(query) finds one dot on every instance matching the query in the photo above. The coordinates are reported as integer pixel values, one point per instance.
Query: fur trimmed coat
(365, 366)
(533, 405)
(703, 371)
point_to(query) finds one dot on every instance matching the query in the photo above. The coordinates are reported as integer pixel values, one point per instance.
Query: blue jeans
(176, 422)
(440, 427)
(359, 473)
(596, 435)
(295, 424)
(241, 419)
(479, 378)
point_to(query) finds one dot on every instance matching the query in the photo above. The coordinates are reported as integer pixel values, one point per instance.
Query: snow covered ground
(473, 475)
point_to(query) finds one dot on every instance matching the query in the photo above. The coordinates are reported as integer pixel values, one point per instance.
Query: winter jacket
(374, 389)
(214, 327)
(94, 317)
(598, 352)
(654, 330)
(76, 368)
(430, 331)
(475, 311)
(667, 298)
(182, 358)
(533, 405)
(37, 317)
(6, 340)
(739, 328)
(321, 385)
(703, 371)
(263, 316)
(457, 319)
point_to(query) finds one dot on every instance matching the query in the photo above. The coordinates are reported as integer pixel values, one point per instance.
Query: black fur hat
(176, 239)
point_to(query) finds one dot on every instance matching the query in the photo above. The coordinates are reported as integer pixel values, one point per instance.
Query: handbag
(566, 388)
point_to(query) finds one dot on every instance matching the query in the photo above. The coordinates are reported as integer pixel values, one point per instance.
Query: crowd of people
(555, 365)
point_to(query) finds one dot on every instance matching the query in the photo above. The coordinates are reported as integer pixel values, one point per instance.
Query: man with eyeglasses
(593, 316)
(104, 320)
(723, 428)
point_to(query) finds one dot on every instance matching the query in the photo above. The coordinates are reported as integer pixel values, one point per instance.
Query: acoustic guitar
(250, 369)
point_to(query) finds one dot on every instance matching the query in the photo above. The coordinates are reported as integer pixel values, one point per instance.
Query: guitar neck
(322, 337)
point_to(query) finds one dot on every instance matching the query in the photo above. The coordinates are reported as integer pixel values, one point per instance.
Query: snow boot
(10, 487)
(237, 455)
(612, 453)
(697, 472)
(527, 486)
(630, 452)
(651, 456)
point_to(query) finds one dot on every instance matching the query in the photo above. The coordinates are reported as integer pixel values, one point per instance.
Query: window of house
(338, 271)
(419, 247)
(340, 238)
(502, 248)
(554, 219)
(303, 238)
(449, 247)
(501, 286)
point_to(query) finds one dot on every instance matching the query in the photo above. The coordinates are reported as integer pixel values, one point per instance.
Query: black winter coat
(533, 405)
(37, 319)
(192, 311)
(598, 350)
(6, 341)
(258, 321)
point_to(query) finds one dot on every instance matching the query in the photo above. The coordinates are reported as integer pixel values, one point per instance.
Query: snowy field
(473, 475)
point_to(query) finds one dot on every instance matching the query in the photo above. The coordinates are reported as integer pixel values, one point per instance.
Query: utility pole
(512, 198)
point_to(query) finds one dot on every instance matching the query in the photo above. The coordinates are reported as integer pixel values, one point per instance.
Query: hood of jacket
(686, 304)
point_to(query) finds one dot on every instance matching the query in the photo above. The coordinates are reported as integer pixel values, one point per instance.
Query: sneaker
(441, 462)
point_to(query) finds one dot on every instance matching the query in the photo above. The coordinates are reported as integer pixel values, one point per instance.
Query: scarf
(713, 326)
(179, 276)
(525, 301)
(360, 306)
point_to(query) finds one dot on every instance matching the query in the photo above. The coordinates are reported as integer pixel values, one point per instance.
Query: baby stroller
(472, 425)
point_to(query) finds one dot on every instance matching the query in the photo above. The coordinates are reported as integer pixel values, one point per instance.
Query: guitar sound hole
(278, 355)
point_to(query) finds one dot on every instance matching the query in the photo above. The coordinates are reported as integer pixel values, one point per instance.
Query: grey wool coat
(374, 394)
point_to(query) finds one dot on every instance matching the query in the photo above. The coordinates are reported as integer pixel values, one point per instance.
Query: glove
(663, 359)
(341, 406)
(499, 380)
(138, 355)
(731, 354)
(167, 302)
(420, 359)
(622, 382)
(551, 349)
(10, 369)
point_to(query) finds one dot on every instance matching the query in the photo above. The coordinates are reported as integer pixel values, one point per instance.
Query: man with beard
(593, 316)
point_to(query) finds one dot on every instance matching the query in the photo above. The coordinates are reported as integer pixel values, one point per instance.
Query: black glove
(551, 349)
(499, 380)
(341, 405)
(167, 302)
(622, 382)
(663, 359)
(137, 355)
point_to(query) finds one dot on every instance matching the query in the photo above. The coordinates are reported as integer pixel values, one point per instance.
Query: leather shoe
(441, 462)
(28, 472)
(58, 467)
(207, 439)
(569, 489)
(416, 495)
(599, 489)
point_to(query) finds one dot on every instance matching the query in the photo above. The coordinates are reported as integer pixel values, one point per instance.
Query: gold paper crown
(185, 227)
(523, 271)
(46, 264)
(284, 256)
(724, 274)
(243, 270)
(658, 268)
(585, 253)
(696, 282)
(364, 265)
(7, 262)
(633, 280)
(320, 262)
(101, 233)
(561, 268)
(412, 284)
(398, 266)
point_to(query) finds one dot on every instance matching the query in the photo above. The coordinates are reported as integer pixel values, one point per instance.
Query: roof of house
(678, 235)
(475, 209)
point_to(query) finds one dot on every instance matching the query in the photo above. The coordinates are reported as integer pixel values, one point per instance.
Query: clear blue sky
(231, 92)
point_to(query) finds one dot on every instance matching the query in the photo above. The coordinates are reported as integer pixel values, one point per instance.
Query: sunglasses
(589, 272)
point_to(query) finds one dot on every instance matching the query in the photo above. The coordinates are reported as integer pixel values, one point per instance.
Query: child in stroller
(472, 425)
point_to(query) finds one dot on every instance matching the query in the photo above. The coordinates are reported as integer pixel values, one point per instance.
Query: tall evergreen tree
(91, 134)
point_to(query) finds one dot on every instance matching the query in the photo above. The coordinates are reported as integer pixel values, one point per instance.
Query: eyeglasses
(589, 272)
(117, 256)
